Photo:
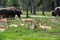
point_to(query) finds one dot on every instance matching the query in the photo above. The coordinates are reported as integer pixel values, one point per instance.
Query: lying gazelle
(35, 24)
(3, 23)
(30, 23)
(3, 20)
(44, 26)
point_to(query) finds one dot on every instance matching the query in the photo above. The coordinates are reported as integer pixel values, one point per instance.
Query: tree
(27, 8)
(0, 2)
(58, 2)
(43, 7)
(53, 5)
(22, 4)
(4, 3)
(14, 3)
(34, 7)
(39, 3)
(30, 4)
(9, 3)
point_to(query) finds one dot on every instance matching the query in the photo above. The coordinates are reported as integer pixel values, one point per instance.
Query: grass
(47, 13)
(22, 33)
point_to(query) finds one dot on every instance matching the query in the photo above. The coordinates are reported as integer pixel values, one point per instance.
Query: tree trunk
(52, 5)
(43, 7)
(23, 4)
(31, 9)
(27, 8)
(58, 2)
(4, 3)
(31, 6)
(34, 7)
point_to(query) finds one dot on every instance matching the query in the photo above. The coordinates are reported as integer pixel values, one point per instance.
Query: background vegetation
(39, 3)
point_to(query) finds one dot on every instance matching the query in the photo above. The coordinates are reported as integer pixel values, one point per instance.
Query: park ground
(22, 33)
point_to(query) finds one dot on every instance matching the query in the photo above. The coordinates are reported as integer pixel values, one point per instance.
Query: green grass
(22, 33)
(47, 13)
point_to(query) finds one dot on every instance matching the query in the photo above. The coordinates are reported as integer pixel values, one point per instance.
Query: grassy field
(47, 13)
(22, 33)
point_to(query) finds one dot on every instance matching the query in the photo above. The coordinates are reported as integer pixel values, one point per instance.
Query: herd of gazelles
(33, 24)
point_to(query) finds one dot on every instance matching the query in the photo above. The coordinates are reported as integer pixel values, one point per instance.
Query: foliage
(47, 3)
